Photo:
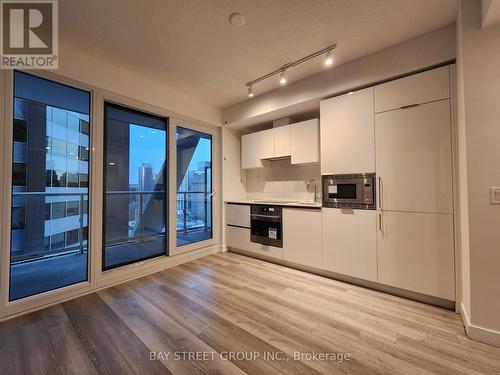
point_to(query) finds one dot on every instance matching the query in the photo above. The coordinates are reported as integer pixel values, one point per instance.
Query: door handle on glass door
(211, 194)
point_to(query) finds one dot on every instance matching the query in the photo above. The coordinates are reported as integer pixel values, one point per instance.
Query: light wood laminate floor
(227, 303)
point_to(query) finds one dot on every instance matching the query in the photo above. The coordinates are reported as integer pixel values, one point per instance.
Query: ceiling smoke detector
(237, 19)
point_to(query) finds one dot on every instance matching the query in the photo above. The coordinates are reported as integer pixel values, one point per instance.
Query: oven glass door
(266, 231)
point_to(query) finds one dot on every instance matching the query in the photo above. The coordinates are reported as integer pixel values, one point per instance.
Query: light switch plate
(495, 195)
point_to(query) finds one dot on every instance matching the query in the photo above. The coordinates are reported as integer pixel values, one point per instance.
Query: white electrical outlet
(495, 195)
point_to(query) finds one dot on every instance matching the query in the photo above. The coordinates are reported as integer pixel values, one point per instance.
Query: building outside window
(49, 185)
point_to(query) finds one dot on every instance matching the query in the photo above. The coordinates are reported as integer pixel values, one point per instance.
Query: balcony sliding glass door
(135, 186)
(194, 186)
(50, 186)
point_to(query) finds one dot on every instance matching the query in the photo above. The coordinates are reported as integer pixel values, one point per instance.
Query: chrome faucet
(314, 182)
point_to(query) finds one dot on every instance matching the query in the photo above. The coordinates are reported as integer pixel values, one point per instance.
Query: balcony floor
(38, 276)
(47, 274)
(201, 235)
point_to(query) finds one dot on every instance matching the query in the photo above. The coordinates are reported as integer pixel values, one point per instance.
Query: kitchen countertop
(277, 203)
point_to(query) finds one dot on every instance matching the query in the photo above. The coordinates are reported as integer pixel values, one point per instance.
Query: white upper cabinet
(299, 140)
(413, 155)
(250, 151)
(305, 142)
(347, 133)
(255, 147)
(350, 242)
(282, 141)
(267, 144)
(415, 252)
(416, 89)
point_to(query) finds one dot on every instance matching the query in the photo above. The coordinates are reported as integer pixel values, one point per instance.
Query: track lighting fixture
(282, 70)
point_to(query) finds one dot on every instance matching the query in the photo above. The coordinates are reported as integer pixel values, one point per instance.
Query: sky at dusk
(147, 145)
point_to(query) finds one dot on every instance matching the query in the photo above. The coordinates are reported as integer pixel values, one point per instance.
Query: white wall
(479, 120)
(424, 51)
(109, 76)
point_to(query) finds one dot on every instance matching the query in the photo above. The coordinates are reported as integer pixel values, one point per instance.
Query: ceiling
(191, 46)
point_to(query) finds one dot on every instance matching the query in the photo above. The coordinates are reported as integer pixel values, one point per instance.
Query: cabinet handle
(380, 222)
(380, 192)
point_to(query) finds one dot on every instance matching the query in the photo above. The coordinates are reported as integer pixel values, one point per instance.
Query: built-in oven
(349, 191)
(266, 225)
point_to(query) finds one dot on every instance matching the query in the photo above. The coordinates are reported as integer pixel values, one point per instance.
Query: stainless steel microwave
(349, 191)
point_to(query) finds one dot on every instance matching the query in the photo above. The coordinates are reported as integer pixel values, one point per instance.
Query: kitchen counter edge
(316, 206)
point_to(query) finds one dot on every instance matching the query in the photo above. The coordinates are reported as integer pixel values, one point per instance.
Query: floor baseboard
(478, 333)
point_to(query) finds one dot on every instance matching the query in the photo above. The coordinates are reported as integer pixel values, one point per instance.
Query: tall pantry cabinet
(401, 130)
(413, 157)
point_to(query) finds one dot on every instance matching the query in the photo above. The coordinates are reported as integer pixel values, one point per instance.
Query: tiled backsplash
(282, 180)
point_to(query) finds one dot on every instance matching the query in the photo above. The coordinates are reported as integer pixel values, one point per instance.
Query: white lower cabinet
(239, 238)
(238, 214)
(415, 252)
(350, 242)
(302, 236)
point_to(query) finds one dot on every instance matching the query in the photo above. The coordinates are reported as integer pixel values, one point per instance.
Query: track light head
(250, 92)
(329, 58)
(283, 77)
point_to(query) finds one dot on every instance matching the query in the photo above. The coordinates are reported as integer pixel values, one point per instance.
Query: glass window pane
(135, 166)
(72, 208)
(72, 179)
(84, 153)
(84, 180)
(57, 241)
(19, 174)
(72, 238)
(194, 186)
(18, 218)
(84, 127)
(47, 211)
(43, 222)
(19, 130)
(58, 148)
(72, 151)
(59, 179)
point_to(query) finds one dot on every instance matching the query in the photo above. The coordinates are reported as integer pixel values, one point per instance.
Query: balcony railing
(20, 199)
(136, 224)
(192, 209)
(190, 216)
(187, 205)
